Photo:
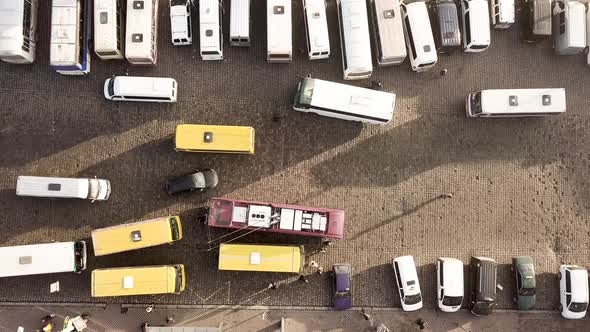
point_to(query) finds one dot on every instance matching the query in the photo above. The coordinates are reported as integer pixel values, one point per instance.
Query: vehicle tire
(560, 308)
(559, 275)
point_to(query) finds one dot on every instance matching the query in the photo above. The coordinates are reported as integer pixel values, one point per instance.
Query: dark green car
(524, 273)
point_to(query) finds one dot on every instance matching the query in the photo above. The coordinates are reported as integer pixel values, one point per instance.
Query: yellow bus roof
(141, 280)
(133, 236)
(232, 139)
(246, 257)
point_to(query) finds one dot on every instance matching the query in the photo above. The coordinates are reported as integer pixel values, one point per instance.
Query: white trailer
(18, 30)
(211, 34)
(53, 187)
(515, 103)
(316, 27)
(279, 31)
(239, 23)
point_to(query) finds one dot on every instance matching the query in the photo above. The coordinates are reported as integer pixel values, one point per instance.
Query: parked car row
(483, 288)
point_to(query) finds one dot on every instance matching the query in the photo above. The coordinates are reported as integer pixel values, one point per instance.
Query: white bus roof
(239, 19)
(105, 25)
(178, 21)
(479, 21)
(64, 32)
(355, 29)
(38, 186)
(139, 21)
(279, 28)
(523, 101)
(11, 25)
(506, 10)
(209, 24)
(143, 86)
(576, 23)
(315, 12)
(391, 30)
(37, 259)
(417, 14)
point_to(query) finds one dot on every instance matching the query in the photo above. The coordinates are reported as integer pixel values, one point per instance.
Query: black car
(200, 180)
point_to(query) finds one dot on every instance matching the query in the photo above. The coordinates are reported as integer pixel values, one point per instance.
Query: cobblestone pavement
(520, 186)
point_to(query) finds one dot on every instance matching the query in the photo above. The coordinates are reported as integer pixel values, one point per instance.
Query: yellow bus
(137, 235)
(138, 280)
(262, 258)
(217, 139)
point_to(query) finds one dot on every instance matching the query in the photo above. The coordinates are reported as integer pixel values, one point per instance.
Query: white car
(407, 283)
(180, 22)
(573, 291)
(449, 284)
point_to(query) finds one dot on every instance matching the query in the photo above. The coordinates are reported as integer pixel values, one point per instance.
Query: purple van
(342, 286)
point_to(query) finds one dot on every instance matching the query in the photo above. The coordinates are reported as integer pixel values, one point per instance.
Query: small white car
(449, 284)
(573, 291)
(180, 22)
(407, 283)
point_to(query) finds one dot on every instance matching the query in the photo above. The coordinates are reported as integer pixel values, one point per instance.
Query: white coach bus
(354, 38)
(141, 39)
(210, 26)
(515, 103)
(344, 101)
(316, 27)
(239, 23)
(69, 51)
(57, 257)
(109, 35)
(278, 31)
(18, 30)
(388, 32)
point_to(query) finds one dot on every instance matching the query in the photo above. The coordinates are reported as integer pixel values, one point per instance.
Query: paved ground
(520, 186)
(111, 319)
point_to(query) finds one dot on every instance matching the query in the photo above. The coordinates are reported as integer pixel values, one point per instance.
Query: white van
(569, 27)
(211, 36)
(180, 22)
(316, 27)
(449, 284)
(418, 34)
(133, 88)
(502, 12)
(50, 187)
(408, 285)
(476, 25)
(515, 102)
(279, 43)
(57, 257)
(573, 291)
(239, 23)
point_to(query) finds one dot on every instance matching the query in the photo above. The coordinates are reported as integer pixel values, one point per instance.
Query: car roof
(342, 275)
(407, 273)
(452, 276)
(579, 279)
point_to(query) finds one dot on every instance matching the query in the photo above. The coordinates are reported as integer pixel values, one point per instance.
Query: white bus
(180, 22)
(279, 46)
(388, 32)
(239, 23)
(18, 30)
(344, 101)
(211, 34)
(354, 39)
(53, 187)
(141, 38)
(132, 88)
(569, 27)
(109, 35)
(316, 28)
(515, 103)
(57, 257)
(418, 34)
(69, 50)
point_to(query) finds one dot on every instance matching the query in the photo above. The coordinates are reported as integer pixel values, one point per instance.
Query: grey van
(445, 18)
(483, 275)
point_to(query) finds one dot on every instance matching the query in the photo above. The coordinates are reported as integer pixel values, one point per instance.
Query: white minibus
(71, 32)
(18, 30)
(418, 34)
(316, 28)
(408, 284)
(109, 35)
(515, 103)
(388, 32)
(135, 88)
(449, 284)
(569, 27)
(343, 101)
(180, 22)
(278, 31)
(53, 187)
(239, 23)
(141, 36)
(57, 257)
(476, 25)
(502, 12)
(354, 39)
(211, 34)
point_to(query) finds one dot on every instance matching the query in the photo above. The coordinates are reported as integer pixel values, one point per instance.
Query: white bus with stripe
(69, 49)
(18, 30)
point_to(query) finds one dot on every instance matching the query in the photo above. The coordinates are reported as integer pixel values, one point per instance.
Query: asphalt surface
(519, 186)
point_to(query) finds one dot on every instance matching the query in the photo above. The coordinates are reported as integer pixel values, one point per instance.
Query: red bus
(278, 218)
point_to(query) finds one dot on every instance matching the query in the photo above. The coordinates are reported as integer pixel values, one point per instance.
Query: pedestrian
(446, 195)
(272, 285)
(443, 72)
(320, 270)
(421, 323)
(170, 319)
(303, 278)
(144, 327)
(149, 308)
(313, 264)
